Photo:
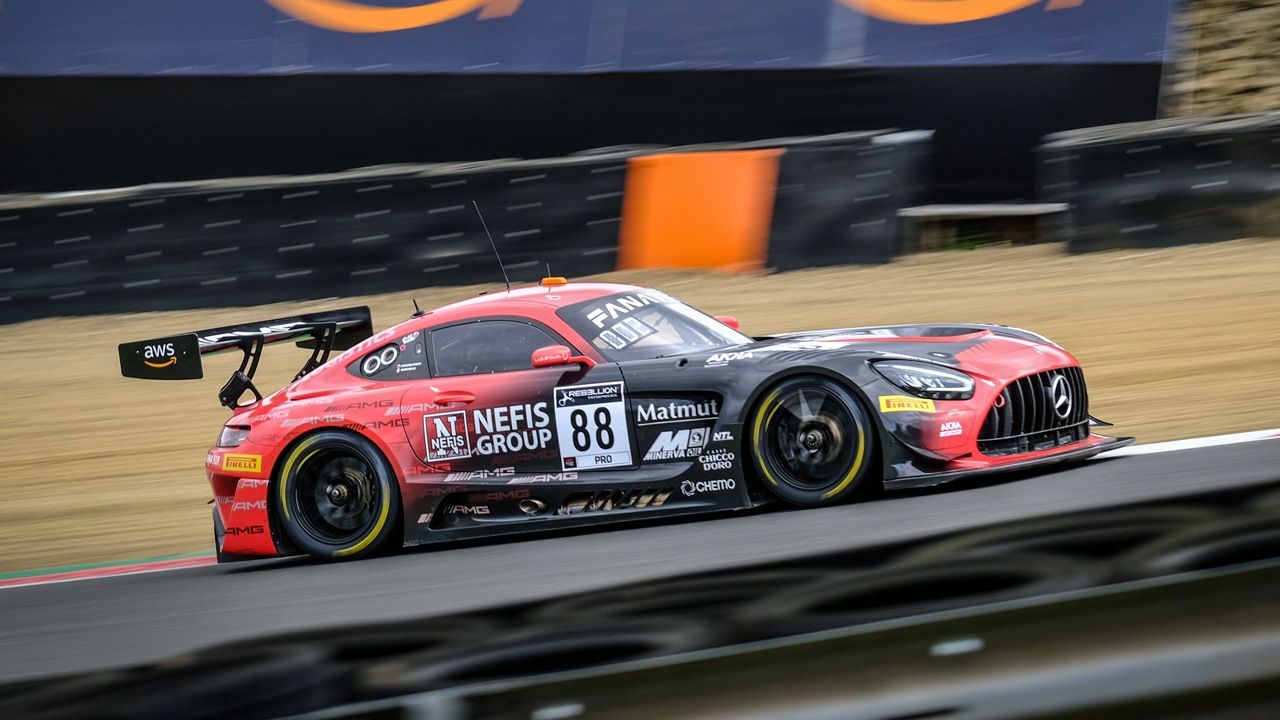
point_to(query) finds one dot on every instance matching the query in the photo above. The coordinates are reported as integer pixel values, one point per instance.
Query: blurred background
(1104, 172)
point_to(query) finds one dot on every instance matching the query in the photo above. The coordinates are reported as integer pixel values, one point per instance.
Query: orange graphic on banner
(946, 12)
(355, 17)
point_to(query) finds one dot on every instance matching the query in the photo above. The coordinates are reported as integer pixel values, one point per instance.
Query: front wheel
(336, 496)
(812, 443)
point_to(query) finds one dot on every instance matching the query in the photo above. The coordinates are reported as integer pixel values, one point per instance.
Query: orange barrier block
(698, 210)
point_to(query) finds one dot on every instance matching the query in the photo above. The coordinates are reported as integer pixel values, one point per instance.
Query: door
(486, 414)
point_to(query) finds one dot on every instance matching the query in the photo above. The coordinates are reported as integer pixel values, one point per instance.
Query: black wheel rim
(336, 496)
(811, 438)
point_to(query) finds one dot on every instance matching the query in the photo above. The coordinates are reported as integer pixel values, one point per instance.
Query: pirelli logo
(904, 403)
(242, 463)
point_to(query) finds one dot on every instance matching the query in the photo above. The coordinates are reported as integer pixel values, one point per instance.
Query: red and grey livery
(568, 404)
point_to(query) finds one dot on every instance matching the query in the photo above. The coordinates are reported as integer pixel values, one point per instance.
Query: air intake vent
(605, 500)
(1037, 412)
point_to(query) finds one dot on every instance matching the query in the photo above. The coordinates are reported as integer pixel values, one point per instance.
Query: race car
(569, 404)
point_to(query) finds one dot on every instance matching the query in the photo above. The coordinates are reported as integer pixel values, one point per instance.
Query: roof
(554, 296)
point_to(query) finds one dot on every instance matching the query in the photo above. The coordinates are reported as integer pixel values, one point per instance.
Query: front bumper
(1085, 449)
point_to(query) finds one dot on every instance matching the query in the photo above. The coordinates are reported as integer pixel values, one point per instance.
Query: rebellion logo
(947, 12)
(359, 17)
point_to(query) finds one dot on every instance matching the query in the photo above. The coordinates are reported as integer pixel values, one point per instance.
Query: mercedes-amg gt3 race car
(568, 404)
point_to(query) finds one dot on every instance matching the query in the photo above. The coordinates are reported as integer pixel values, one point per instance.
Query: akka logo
(362, 17)
(947, 12)
(162, 354)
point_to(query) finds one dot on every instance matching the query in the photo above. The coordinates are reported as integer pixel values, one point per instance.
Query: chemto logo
(361, 17)
(947, 12)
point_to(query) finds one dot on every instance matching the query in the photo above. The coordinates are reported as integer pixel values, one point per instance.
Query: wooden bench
(933, 227)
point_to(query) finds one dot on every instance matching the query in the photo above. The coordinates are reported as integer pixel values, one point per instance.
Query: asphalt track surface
(67, 627)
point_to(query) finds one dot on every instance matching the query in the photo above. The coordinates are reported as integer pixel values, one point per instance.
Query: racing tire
(812, 444)
(336, 496)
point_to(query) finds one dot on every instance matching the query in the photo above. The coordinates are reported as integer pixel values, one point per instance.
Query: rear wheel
(337, 497)
(812, 443)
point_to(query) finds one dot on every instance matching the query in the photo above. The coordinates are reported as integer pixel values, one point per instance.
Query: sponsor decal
(447, 436)
(242, 463)
(252, 483)
(433, 468)
(950, 428)
(511, 428)
(724, 358)
(254, 505)
(351, 16)
(413, 409)
(313, 420)
(904, 403)
(677, 444)
(693, 487)
(268, 416)
(375, 362)
(409, 338)
(468, 510)
(620, 306)
(378, 424)
(591, 421)
(651, 413)
(722, 436)
(407, 367)
(717, 460)
(367, 405)
(544, 478)
(522, 458)
(213, 459)
(159, 356)
(246, 530)
(480, 474)
(424, 518)
(498, 496)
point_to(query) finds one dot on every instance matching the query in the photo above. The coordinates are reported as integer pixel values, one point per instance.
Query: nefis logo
(362, 17)
(947, 12)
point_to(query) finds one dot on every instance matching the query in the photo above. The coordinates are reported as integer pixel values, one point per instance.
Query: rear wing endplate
(178, 357)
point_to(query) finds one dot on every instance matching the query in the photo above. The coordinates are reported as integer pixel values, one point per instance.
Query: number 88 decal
(582, 434)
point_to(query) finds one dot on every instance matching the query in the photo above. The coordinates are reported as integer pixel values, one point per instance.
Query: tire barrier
(1097, 535)
(1211, 545)
(254, 241)
(266, 682)
(857, 598)
(1165, 182)
(702, 597)
(536, 651)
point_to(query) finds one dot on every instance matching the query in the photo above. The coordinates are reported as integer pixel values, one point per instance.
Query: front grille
(1028, 416)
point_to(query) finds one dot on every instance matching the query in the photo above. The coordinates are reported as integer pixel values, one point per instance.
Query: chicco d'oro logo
(358, 17)
(946, 12)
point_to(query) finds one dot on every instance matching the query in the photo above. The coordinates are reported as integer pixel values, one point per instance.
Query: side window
(402, 360)
(486, 346)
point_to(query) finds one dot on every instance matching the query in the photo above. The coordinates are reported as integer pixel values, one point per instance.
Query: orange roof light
(551, 281)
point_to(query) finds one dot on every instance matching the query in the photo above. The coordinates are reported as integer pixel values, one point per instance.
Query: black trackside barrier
(838, 204)
(1166, 182)
(252, 241)
(248, 243)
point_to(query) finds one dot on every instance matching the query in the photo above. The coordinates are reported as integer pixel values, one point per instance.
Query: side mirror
(729, 320)
(553, 355)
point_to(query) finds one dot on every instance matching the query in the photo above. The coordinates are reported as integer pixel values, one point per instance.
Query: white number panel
(591, 422)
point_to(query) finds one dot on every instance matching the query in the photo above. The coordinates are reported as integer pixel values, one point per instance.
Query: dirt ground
(1175, 343)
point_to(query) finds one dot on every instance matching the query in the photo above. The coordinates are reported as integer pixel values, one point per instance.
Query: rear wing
(178, 357)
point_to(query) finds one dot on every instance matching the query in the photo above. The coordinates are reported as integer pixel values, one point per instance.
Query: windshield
(645, 324)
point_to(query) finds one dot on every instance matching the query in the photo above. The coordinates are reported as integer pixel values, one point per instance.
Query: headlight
(233, 435)
(926, 380)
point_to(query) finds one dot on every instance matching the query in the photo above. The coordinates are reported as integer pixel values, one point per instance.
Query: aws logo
(159, 356)
(947, 12)
(358, 17)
